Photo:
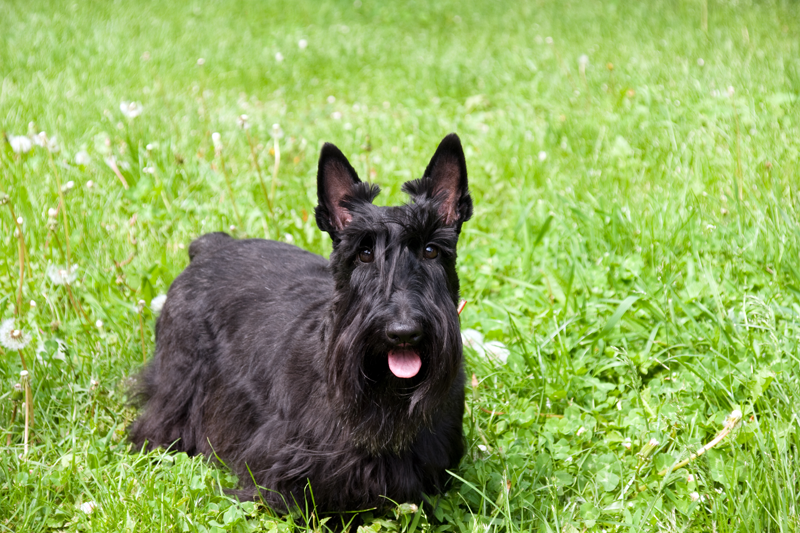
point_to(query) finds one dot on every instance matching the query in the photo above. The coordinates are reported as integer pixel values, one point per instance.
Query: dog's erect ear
(336, 181)
(446, 179)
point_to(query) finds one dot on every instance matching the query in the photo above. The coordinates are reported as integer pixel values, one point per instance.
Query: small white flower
(243, 122)
(336, 115)
(331, 99)
(88, 507)
(89, 184)
(653, 443)
(733, 418)
(278, 57)
(542, 155)
(201, 62)
(700, 62)
(303, 44)
(131, 109)
(52, 212)
(548, 40)
(93, 384)
(151, 146)
(694, 496)
(33, 303)
(627, 443)
(60, 275)
(99, 324)
(20, 144)
(69, 185)
(581, 431)
(82, 158)
(149, 170)
(20, 221)
(482, 448)
(12, 338)
(157, 303)
(690, 478)
(216, 138)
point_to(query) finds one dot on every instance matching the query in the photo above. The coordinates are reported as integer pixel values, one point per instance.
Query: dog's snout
(404, 333)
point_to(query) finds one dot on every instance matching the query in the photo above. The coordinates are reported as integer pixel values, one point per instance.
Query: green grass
(635, 241)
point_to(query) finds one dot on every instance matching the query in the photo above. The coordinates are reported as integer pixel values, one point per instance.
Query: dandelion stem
(26, 384)
(277, 148)
(22, 358)
(260, 174)
(63, 209)
(230, 188)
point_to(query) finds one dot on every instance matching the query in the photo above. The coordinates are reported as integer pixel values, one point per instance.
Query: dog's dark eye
(365, 255)
(431, 252)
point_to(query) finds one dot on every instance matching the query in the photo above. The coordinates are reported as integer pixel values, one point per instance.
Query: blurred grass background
(634, 244)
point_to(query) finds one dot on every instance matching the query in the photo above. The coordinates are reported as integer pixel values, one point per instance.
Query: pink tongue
(404, 362)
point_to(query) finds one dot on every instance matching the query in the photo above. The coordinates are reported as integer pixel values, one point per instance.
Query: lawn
(632, 269)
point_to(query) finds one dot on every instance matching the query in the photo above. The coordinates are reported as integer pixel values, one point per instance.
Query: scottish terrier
(338, 380)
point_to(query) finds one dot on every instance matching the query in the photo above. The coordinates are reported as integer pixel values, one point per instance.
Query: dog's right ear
(336, 182)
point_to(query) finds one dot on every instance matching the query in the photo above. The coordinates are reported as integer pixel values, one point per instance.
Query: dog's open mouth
(404, 362)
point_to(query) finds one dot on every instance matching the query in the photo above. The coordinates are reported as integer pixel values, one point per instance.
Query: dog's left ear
(445, 179)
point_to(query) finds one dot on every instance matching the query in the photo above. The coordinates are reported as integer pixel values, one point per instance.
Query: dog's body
(340, 381)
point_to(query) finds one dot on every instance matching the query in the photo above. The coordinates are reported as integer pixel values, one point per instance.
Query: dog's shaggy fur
(345, 376)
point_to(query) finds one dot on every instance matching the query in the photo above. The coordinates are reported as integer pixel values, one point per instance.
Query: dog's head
(395, 347)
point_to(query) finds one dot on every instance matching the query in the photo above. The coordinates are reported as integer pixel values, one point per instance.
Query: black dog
(340, 381)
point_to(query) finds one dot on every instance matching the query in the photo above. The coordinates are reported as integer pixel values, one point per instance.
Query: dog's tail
(209, 243)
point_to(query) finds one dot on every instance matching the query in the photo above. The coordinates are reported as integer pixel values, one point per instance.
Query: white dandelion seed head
(336, 115)
(583, 60)
(20, 221)
(33, 303)
(151, 146)
(694, 496)
(548, 40)
(82, 158)
(243, 122)
(216, 138)
(89, 184)
(542, 155)
(149, 170)
(157, 303)
(302, 44)
(731, 91)
(60, 275)
(131, 109)
(40, 139)
(200, 61)
(700, 62)
(52, 212)
(20, 144)
(11, 337)
(277, 132)
(70, 184)
(278, 57)
(99, 324)
(331, 99)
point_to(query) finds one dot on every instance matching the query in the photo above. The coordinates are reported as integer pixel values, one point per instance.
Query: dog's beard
(381, 411)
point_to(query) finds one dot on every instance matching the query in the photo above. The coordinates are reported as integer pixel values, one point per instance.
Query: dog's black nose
(404, 332)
